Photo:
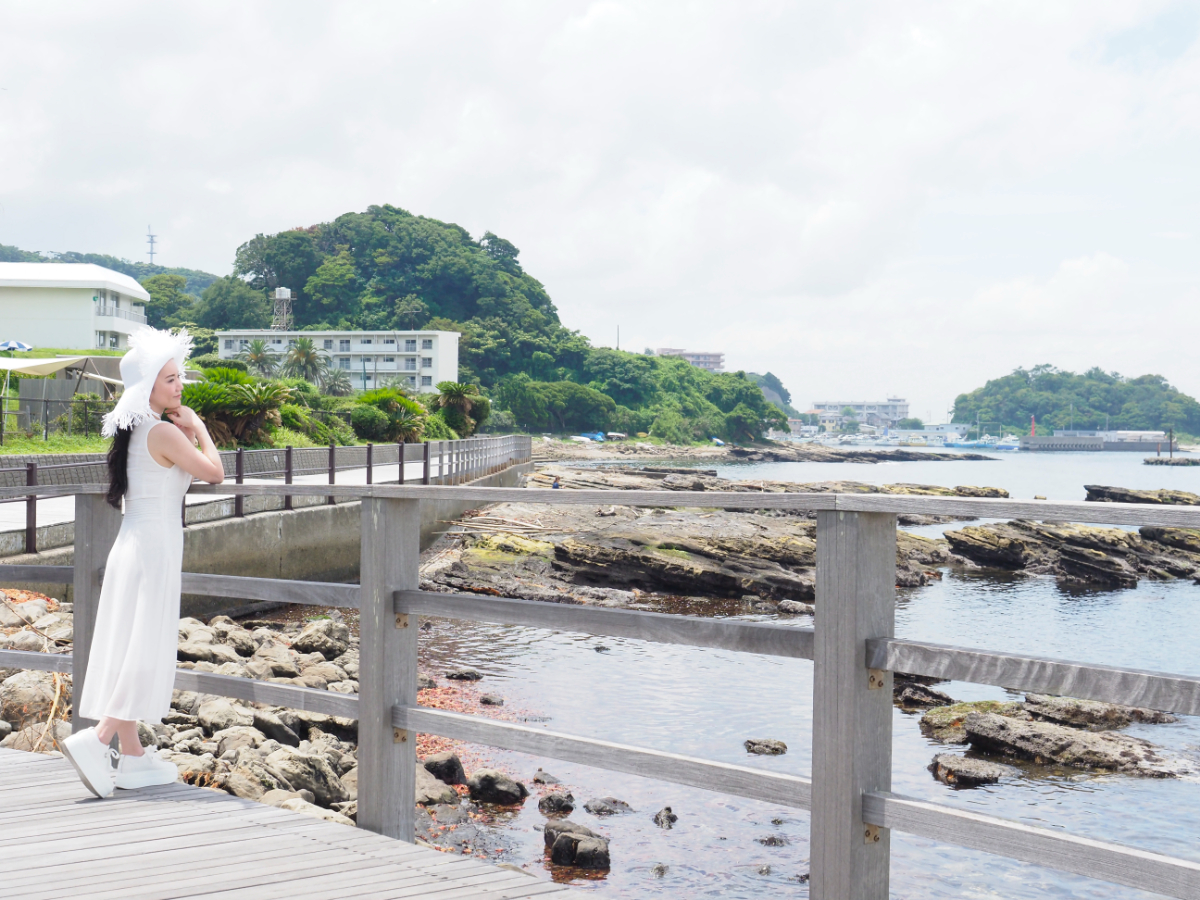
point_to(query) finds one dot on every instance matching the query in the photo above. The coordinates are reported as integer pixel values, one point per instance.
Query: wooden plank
(301, 885)
(278, 590)
(37, 574)
(743, 781)
(852, 720)
(745, 637)
(32, 659)
(1111, 862)
(96, 528)
(292, 696)
(1038, 510)
(387, 758)
(1018, 671)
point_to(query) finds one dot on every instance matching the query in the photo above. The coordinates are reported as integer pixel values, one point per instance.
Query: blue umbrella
(15, 345)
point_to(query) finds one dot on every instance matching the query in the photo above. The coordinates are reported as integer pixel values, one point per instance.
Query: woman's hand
(187, 421)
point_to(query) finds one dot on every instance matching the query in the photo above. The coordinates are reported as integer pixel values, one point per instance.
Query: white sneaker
(92, 760)
(145, 770)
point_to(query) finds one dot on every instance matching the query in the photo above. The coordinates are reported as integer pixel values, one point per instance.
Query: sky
(869, 199)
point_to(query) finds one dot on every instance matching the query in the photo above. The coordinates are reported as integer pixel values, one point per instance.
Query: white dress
(131, 668)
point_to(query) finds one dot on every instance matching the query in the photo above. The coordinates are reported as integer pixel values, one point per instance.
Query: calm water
(706, 702)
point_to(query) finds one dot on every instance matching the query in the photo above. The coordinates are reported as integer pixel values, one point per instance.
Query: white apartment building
(420, 359)
(878, 412)
(76, 306)
(701, 359)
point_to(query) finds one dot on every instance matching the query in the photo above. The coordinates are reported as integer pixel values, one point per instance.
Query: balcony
(118, 313)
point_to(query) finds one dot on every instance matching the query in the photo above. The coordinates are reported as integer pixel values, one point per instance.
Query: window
(114, 341)
(410, 364)
(100, 339)
(328, 343)
(291, 342)
(229, 343)
(412, 380)
(389, 359)
(344, 345)
(390, 341)
(365, 341)
(427, 344)
(426, 362)
(426, 380)
(343, 362)
(276, 340)
(243, 343)
(410, 346)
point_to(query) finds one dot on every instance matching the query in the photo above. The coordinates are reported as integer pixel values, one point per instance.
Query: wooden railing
(852, 646)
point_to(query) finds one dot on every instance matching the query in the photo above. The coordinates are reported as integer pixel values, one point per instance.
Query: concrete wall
(48, 316)
(318, 543)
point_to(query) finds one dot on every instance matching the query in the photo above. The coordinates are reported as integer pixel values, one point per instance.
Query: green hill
(1095, 399)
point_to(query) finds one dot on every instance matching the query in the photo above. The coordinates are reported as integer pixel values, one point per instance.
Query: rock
(765, 747)
(664, 818)
(945, 723)
(491, 700)
(465, 675)
(218, 714)
(16, 615)
(1090, 714)
(5, 729)
(658, 870)
(430, 790)
(491, 786)
(1045, 743)
(424, 682)
(28, 640)
(966, 772)
(277, 656)
(325, 636)
(1097, 493)
(308, 809)
(241, 785)
(350, 781)
(309, 772)
(572, 844)
(213, 653)
(238, 638)
(540, 777)
(446, 767)
(58, 626)
(233, 739)
(36, 737)
(773, 840)
(253, 768)
(277, 797)
(607, 806)
(918, 696)
(274, 726)
(29, 695)
(557, 804)
(796, 608)
(185, 702)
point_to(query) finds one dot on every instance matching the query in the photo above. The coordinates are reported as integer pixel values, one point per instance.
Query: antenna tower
(281, 319)
(151, 237)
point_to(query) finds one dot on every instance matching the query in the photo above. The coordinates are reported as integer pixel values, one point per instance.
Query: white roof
(69, 275)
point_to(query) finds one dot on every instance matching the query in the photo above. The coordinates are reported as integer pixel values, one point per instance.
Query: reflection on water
(705, 703)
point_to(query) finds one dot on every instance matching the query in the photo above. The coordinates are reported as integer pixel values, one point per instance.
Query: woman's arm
(174, 446)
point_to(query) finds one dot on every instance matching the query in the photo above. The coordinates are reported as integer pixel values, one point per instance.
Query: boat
(913, 440)
(1008, 442)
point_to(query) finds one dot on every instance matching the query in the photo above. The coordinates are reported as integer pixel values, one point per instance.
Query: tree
(231, 303)
(408, 312)
(260, 358)
(336, 383)
(849, 420)
(334, 287)
(303, 360)
(169, 300)
(503, 252)
(461, 405)
(910, 423)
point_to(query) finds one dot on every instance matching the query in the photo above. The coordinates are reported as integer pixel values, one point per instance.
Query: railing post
(31, 480)
(96, 527)
(852, 706)
(239, 469)
(287, 474)
(400, 451)
(370, 447)
(387, 756)
(332, 468)
(425, 476)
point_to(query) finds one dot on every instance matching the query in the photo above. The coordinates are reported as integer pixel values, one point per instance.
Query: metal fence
(852, 646)
(428, 462)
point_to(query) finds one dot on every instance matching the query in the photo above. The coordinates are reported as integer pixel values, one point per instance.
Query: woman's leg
(126, 730)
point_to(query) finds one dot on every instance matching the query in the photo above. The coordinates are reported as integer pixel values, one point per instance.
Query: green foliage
(369, 423)
(237, 412)
(1147, 402)
(303, 360)
(259, 358)
(227, 375)
(462, 407)
(406, 417)
(436, 429)
(231, 303)
(337, 383)
(561, 405)
(204, 340)
(170, 302)
(775, 392)
(303, 391)
(195, 280)
(911, 423)
(213, 361)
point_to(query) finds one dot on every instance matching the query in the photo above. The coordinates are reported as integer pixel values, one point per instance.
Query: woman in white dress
(131, 667)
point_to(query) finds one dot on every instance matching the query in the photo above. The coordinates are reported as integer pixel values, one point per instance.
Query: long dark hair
(118, 468)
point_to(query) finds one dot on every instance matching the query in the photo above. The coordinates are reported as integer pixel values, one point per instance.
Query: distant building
(701, 359)
(882, 412)
(419, 359)
(799, 426)
(71, 305)
(1118, 441)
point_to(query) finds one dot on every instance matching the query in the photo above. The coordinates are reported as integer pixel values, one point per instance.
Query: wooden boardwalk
(178, 841)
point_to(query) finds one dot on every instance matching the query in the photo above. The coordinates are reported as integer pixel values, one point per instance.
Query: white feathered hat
(149, 350)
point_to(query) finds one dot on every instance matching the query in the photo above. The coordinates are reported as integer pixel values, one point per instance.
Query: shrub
(436, 429)
(225, 375)
(213, 361)
(369, 423)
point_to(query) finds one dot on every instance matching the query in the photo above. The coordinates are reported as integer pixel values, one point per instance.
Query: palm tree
(259, 358)
(407, 426)
(457, 400)
(336, 383)
(303, 360)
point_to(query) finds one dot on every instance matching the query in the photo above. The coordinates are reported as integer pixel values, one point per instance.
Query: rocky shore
(771, 451)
